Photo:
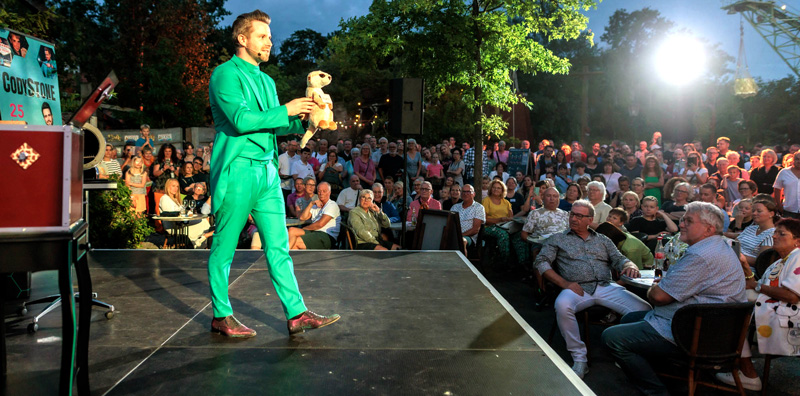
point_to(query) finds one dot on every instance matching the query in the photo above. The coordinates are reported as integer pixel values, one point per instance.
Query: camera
(692, 161)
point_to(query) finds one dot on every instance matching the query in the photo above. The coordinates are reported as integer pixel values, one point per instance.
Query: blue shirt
(390, 211)
(709, 272)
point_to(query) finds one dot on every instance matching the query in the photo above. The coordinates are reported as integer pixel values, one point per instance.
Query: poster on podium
(29, 79)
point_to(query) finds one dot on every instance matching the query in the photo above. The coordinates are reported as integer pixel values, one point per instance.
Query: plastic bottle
(660, 256)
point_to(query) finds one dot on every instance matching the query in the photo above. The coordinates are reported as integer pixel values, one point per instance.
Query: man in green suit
(244, 174)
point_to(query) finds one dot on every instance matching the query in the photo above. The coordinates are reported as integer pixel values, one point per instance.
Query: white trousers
(612, 296)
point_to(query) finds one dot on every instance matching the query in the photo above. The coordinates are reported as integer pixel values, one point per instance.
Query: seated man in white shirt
(348, 198)
(326, 220)
(302, 169)
(471, 215)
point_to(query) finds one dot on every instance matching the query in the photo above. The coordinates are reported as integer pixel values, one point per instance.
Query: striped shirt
(110, 167)
(751, 243)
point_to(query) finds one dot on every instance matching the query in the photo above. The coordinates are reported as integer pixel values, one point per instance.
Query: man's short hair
(586, 204)
(244, 24)
(623, 215)
(143, 127)
(378, 185)
(46, 105)
(709, 186)
(708, 213)
(198, 159)
(308, 179)
(305, 150)
(723, 138)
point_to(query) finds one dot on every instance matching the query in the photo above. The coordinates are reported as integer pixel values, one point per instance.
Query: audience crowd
(614, 205)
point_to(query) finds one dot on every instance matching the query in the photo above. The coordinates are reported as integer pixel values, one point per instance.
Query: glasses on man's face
(310, 185)
(425, 189)
(467, 192)
(579, 216)
(744, 188)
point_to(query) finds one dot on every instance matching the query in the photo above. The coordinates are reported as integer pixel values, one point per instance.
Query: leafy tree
(473, 45)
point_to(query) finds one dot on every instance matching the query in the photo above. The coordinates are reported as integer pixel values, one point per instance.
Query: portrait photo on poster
(19, 44)
(47, 61)
(5, 52)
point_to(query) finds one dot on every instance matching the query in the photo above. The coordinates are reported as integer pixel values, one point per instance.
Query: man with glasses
(709, 272)
(580, 261)
(423, 201)
(471, 215)
(711, 160)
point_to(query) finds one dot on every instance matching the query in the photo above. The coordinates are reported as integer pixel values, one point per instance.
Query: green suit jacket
(246, 110)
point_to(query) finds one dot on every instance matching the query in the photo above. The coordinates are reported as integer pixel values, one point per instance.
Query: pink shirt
(435, 170)
(414, 207)
(367, 170)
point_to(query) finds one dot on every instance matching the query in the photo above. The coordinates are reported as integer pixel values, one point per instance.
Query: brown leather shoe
(309, 320)
(231, 327)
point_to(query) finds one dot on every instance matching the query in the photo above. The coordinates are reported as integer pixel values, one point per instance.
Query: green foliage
(19, 17)
(453, 44)
(113, 223)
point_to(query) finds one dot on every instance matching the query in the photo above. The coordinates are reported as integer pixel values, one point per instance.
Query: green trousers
(254, 188)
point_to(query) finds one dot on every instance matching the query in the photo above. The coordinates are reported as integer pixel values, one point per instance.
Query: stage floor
(413, 323)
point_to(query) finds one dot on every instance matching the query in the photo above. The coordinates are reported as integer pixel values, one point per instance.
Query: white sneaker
(753, 384)
(199, 241)
(580, 368)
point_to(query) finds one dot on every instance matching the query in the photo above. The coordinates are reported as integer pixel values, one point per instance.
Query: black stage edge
(413, 323)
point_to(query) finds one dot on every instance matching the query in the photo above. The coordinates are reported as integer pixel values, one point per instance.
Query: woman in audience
(445, 156)
(457, 167)
(454, 197)
(516, 199)
(743, 218)
(612, 178)
(637, 186)
(652, 224)
(397, 197)
(186, 179)
(426, 160)
(331, 172)
(413, 160)
(136, 179)
(669, 186)
(164, 167)
(592, 166)
(498, 211)
(630, 204)
(499, 171)
(757, 237)
(777, 302)
(573, 194)
(561, 159)
(171, 202)
(764, 176)
(198, 195)
(365, 169)
(366, 221)
(681, 195)
(624, 186)
(653, 177)
(128, 154)
(695, 171)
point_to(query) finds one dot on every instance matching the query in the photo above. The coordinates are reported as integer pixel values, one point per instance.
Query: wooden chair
(711, 336)
(764, 260)
(347, 238)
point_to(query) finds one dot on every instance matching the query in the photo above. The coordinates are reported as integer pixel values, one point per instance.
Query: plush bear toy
(322, 115)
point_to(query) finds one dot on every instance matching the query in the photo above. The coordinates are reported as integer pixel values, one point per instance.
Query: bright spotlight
(680, 60)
